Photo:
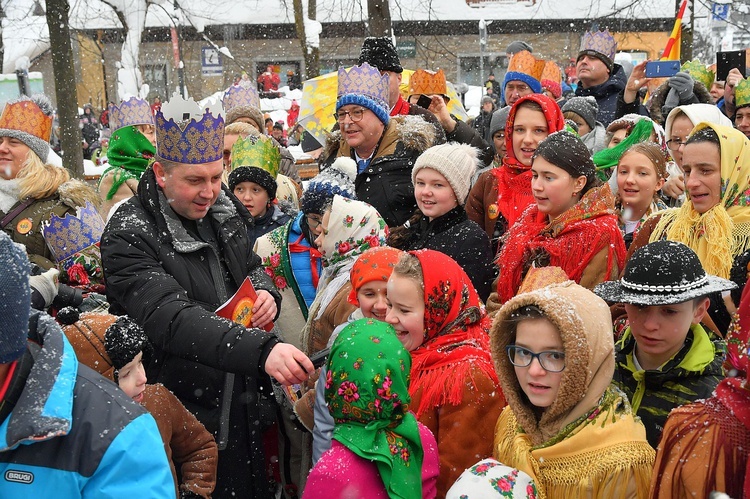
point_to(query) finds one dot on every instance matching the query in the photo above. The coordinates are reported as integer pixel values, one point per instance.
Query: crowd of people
(547, 302)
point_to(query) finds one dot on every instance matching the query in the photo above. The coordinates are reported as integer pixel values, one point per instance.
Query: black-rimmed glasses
(551, 361)
(355, 115)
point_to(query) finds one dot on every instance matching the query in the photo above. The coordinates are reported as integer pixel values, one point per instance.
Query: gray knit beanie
(15, 299)
(585, 107)
(518, 46)
(456, 162)
(499, 119)
(28, 131)
(250, 112)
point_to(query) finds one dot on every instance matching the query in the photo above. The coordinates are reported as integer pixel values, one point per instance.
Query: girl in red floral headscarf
(501, 194)
(455, 392)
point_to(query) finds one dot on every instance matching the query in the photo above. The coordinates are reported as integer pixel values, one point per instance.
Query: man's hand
(674, 186)
(288, 365)
(264, 310)
(733, 78)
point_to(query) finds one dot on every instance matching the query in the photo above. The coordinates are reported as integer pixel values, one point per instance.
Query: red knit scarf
(514, 178)
(456, 335)
(571, 240)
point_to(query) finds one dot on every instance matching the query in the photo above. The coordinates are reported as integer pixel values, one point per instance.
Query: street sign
(211, 63)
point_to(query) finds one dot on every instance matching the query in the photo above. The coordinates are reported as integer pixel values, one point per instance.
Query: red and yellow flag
(672, 50)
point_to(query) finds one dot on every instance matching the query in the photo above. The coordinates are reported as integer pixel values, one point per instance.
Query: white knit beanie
(456, 162)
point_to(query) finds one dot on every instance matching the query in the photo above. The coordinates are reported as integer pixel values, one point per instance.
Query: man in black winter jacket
(172, 255)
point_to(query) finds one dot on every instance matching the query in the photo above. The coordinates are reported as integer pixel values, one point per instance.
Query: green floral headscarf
(129, 154)
(606, 159)
(368, 396)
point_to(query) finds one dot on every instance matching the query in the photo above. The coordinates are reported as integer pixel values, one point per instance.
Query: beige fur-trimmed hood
(75, 193)
(585, 325)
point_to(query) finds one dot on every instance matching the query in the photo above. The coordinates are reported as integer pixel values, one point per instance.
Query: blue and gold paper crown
(72, 234)
(188, 133)
(133, 111)
(244, 94)
(601, 42)
(364, 80)
(258, 151)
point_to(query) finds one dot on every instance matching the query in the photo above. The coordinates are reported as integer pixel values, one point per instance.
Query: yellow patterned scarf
(723, 232)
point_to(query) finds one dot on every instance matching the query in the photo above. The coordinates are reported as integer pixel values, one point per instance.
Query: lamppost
(482, 46)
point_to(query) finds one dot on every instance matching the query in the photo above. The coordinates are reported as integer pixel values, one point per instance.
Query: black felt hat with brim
(662, 273)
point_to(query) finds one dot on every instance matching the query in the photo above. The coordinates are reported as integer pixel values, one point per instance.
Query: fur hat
(249, 112)
(29, 119)
(499, 118)
(86, 332)
(456, 162)
(662, 273)
(123, 340)
(256, 175)
(380, 53)
(15, 307)
(585, 107)
(336, 179)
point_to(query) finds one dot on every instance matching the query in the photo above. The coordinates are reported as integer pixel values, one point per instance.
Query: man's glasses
(313, 223)
(355, 115)
(551, 361)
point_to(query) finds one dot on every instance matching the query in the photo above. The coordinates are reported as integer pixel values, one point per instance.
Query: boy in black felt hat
(665, 358)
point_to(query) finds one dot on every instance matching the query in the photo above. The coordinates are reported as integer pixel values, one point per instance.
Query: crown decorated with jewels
(72, 234)
(700, 72)
(133, 111)
(187, 132)
(258, 151)
(244, 94)
(742, 93)
(426, 82)
(524, 62)
(364, 80)
(25, 116)
(601, 42)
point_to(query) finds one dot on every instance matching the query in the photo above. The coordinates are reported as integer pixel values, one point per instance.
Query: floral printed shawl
(456, 334)
(367, 394)
(723, 232)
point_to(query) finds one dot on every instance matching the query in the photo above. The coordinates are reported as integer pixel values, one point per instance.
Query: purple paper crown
(72, 234)
(133, 111)
(601, 42)
(189, 133)
(364, 80)
(244, 94)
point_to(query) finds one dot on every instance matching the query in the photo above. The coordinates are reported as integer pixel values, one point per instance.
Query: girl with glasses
(565, 426)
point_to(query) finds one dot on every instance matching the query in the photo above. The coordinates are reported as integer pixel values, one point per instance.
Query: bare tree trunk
(311, 54)
(65, 84)
(379, 17)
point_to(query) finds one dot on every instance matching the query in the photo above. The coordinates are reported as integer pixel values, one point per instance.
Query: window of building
(155, 75)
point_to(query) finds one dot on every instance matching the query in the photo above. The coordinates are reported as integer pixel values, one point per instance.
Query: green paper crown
(256, 151)
(699, 72)
(742, 93)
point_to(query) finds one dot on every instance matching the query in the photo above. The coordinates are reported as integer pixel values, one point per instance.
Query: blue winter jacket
(73, 433)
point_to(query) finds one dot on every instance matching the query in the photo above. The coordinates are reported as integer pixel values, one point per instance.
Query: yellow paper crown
(742, 93)
(25, 116)
(258, 151)
(524, 62)
(699, 72)
(425, 82)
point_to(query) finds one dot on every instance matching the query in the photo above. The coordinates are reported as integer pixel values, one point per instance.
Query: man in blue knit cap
(65, 431)
(384, 147)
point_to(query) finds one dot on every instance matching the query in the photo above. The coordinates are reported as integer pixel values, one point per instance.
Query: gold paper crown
(243, 94)
(601, 42)
(742, 93)
(364, 80)
(699, 72)
(551, 72)
(425, 82)
(258, 151)
(133, 111)
(71, 234)
(524, 62)
(25, 116)
(189, 133)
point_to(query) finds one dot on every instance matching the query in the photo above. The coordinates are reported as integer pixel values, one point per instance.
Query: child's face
(529, 129)
(132, 378)
(372, 300)
(253, 196)
(433, 192)
(539, 385)
(660, 330)
(637, 180)
(406, 310)
(323, 227)
(553, 188)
